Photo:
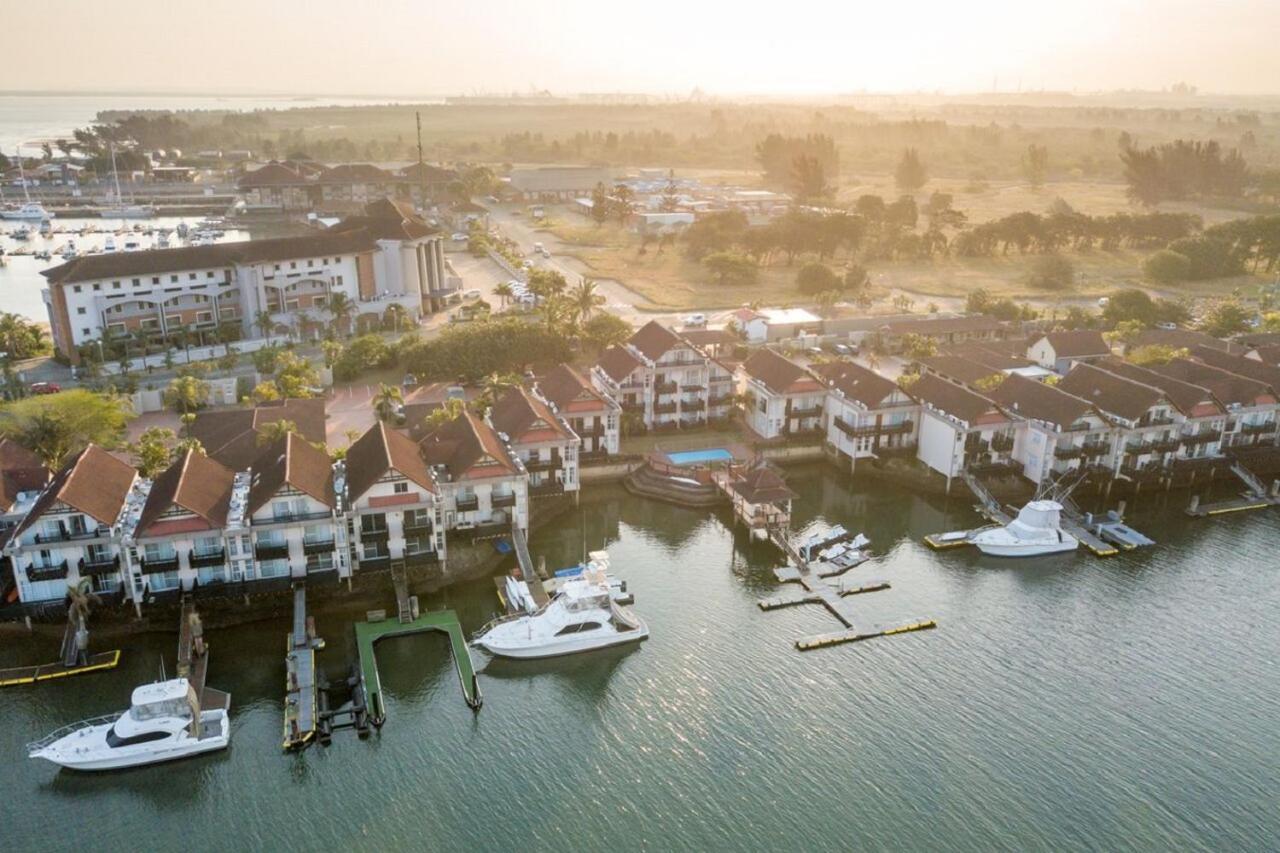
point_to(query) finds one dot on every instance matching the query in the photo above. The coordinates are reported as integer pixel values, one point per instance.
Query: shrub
(1166, 266)
(1052, 272)
(814, 278)
(362, 354)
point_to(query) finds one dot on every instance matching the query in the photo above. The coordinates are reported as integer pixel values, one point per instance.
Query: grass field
(671, 281)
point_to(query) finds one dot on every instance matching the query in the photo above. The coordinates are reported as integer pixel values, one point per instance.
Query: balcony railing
(1068, 452)
(506, 500)
(481, 531)
(804, 411)
(417, 526)
(293, 517)
(1093, 450)
(664, 388)
(165, 564)
(719, 399)
(467, 504)
(544, 489)
(100, 566)
(1203, 437)
(71, 535)
(1254, 429)
(272, 550)
(632, 405)
(1146, 422)
(317, 546)
(1137, 446)
(207, 558)
(56, 572)
(421, 559)
(373, 564)
(693, 405)
(373, 534)
(1001, 443)
(1165, 445)
(544, 464)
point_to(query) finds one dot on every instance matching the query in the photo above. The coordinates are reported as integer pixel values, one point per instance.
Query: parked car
(845, 349)
(1104, 301)
(471, 294)
(537, 248)
(696, 320)
(409, 379)
(814, 352)
(1165, 325)
(45, 388)
(546, 253)
(461, 237)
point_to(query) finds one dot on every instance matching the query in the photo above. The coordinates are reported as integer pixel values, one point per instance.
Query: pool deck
(368, 634)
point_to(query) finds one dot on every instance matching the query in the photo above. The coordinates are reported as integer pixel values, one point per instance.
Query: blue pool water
(693, 457)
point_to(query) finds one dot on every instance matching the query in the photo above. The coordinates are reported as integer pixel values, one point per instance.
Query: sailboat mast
(22, 175)
(115, 173)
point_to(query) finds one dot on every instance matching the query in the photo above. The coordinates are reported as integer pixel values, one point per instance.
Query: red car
(45, 388)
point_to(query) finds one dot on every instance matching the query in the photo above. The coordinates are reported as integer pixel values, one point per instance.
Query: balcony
(1203, 437)
(374, 534)
(1001, 443)
(100, 566)
(166, 564)
(546, 489)
(272, 550)
(416, 526)
(664, 408)
(975, 444)
(56, 572)
(804, 411)
(317, 546)
(65, 535)
(1069, 451)
(719, 400)
(1146, 421)
(421, 559)
(1257, 429)
(693, 405)
(482, 531)
(499, 501)
(208, 558)
(465, 503)
(632, 405)
(664, 388)
(544, 464)
(292, 518)
(373, 564)
(1165, 445)
(593, 431)
(1092, 450)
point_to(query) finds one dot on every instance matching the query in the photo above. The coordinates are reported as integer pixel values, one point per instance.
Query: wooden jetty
(378, 628)
(531, 574)
(1256, 496)
(301, 707)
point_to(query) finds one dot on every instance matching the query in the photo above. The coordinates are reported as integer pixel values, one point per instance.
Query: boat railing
(70, 728)
(499, 620)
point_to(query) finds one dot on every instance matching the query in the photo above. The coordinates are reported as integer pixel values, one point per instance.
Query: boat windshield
(167, 708)
(591, 601)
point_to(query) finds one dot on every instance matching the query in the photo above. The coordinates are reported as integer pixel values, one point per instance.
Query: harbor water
(1066, 703)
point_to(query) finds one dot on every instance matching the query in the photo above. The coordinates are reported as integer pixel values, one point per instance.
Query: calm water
(1067, 703)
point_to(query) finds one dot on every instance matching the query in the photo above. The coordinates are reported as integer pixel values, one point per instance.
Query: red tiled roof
(1078, 343)
(857, 382)
(954, 400)
(291, 460)
(194, 483)
(1033, 399)
(525, 418)
(618, 363)
(467, 447)
(93, 482)
(780, 375)
(654, 340)
(1113, 394)
(381, 450)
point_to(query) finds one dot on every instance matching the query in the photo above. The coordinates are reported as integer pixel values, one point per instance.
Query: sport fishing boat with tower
(1035, 532)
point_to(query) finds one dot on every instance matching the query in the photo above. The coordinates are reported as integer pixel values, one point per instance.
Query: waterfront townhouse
(392, 502)
(178, 541)
(305, 186)
(942, 331)
(1147, 421)
(780, 397)
(483, 486)
(665, 380)
(232, 436)
(67, 531)
(1252, 406)
(542, 440)
(1178, 339)
(384, 257)
(1250, 367)
(293, 513)
(1060, 433)
(593, 417)
(963, 370)
(866, 415)
(960, 429)
(1058, 351)
(1202, 415)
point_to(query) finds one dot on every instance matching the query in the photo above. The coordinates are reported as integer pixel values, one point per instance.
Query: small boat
(46, 228)
(1035, 532)
(182, 230)
(70, 252)
(162, 242)
(164, 722)
(617, 587)
(815, 542)
(582, 617)
(44, 255)
(848, 554)
(110, 244)
(22, 232)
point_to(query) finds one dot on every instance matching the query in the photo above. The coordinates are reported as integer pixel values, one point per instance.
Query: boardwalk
(300, 712)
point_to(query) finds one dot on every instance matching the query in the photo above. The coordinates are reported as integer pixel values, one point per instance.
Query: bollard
(1275, 488)
(1195, 504)
(1120, 509)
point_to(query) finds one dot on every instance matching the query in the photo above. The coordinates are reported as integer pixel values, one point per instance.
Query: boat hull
(568, 646)
(73, 753)
(1037, 549)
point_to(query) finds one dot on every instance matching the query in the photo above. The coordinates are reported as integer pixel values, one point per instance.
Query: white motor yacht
(32, 210)
(1036, 531)
(163, 723)
(582, 617)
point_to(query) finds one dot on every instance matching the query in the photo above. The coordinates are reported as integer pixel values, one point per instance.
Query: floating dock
(301, 717)
(1256, 496)
(17, 675)
(369, 633)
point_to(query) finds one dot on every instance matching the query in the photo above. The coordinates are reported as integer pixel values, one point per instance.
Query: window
(158, 551)
(400, 488)
(273, 568)
(191, 276)
(173, 278)
(155, 279)
(337, 280)
(115, 285)
(115, 741)
(80, 310)
(577, 628)
(209, 274)
(76, 288)
(136, 283)
(320, 562)
(85, 332)
(293, 265)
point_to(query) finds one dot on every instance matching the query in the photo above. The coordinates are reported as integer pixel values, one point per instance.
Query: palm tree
(497, 384)
(332, 350)
(504, 292)
(341, 308)
(265, 324)
(387, 402)
(80, 597)
(268, 433)
(585, 299)
(396, 313)
(186, 393)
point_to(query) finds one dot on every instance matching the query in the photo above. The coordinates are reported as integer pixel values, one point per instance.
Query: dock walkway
(301, 719)
(528, 573)
(368, 634)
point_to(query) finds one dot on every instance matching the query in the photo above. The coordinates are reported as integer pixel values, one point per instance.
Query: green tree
(809, 179)
(605, 330)
(230, 360)
(54, 426)
(585, 299)
(1226, 318)
(186, 394)
(600, 204)
(265, 392)
(730, 268)
(622, 205)
(815, 278)
(269, 432)
(1153, 354)
(262, 320)
(296, 377)
(918, 346)
(266, 360)
(387, 402)
(448, 411)
(1167, 266)
(504, 292)
(1052, 272)
(341, 308)
(1035, 165)
(20, 338)
(153, 450)
(910, 175)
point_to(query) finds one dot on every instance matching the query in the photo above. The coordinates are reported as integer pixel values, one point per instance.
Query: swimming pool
(694, 457)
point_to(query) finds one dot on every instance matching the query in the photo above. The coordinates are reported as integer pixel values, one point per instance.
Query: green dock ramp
(368, 634)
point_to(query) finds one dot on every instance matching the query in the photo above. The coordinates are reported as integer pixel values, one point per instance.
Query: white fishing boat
(582, 617)
(815, 542)
(110, 244)
(164, 722)
(22, 232)
(46, 228)
(617, 586)
(70, 252)
(29, 209)
(1035, 532)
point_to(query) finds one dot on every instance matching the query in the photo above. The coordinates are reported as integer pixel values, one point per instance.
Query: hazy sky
(398, 47)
